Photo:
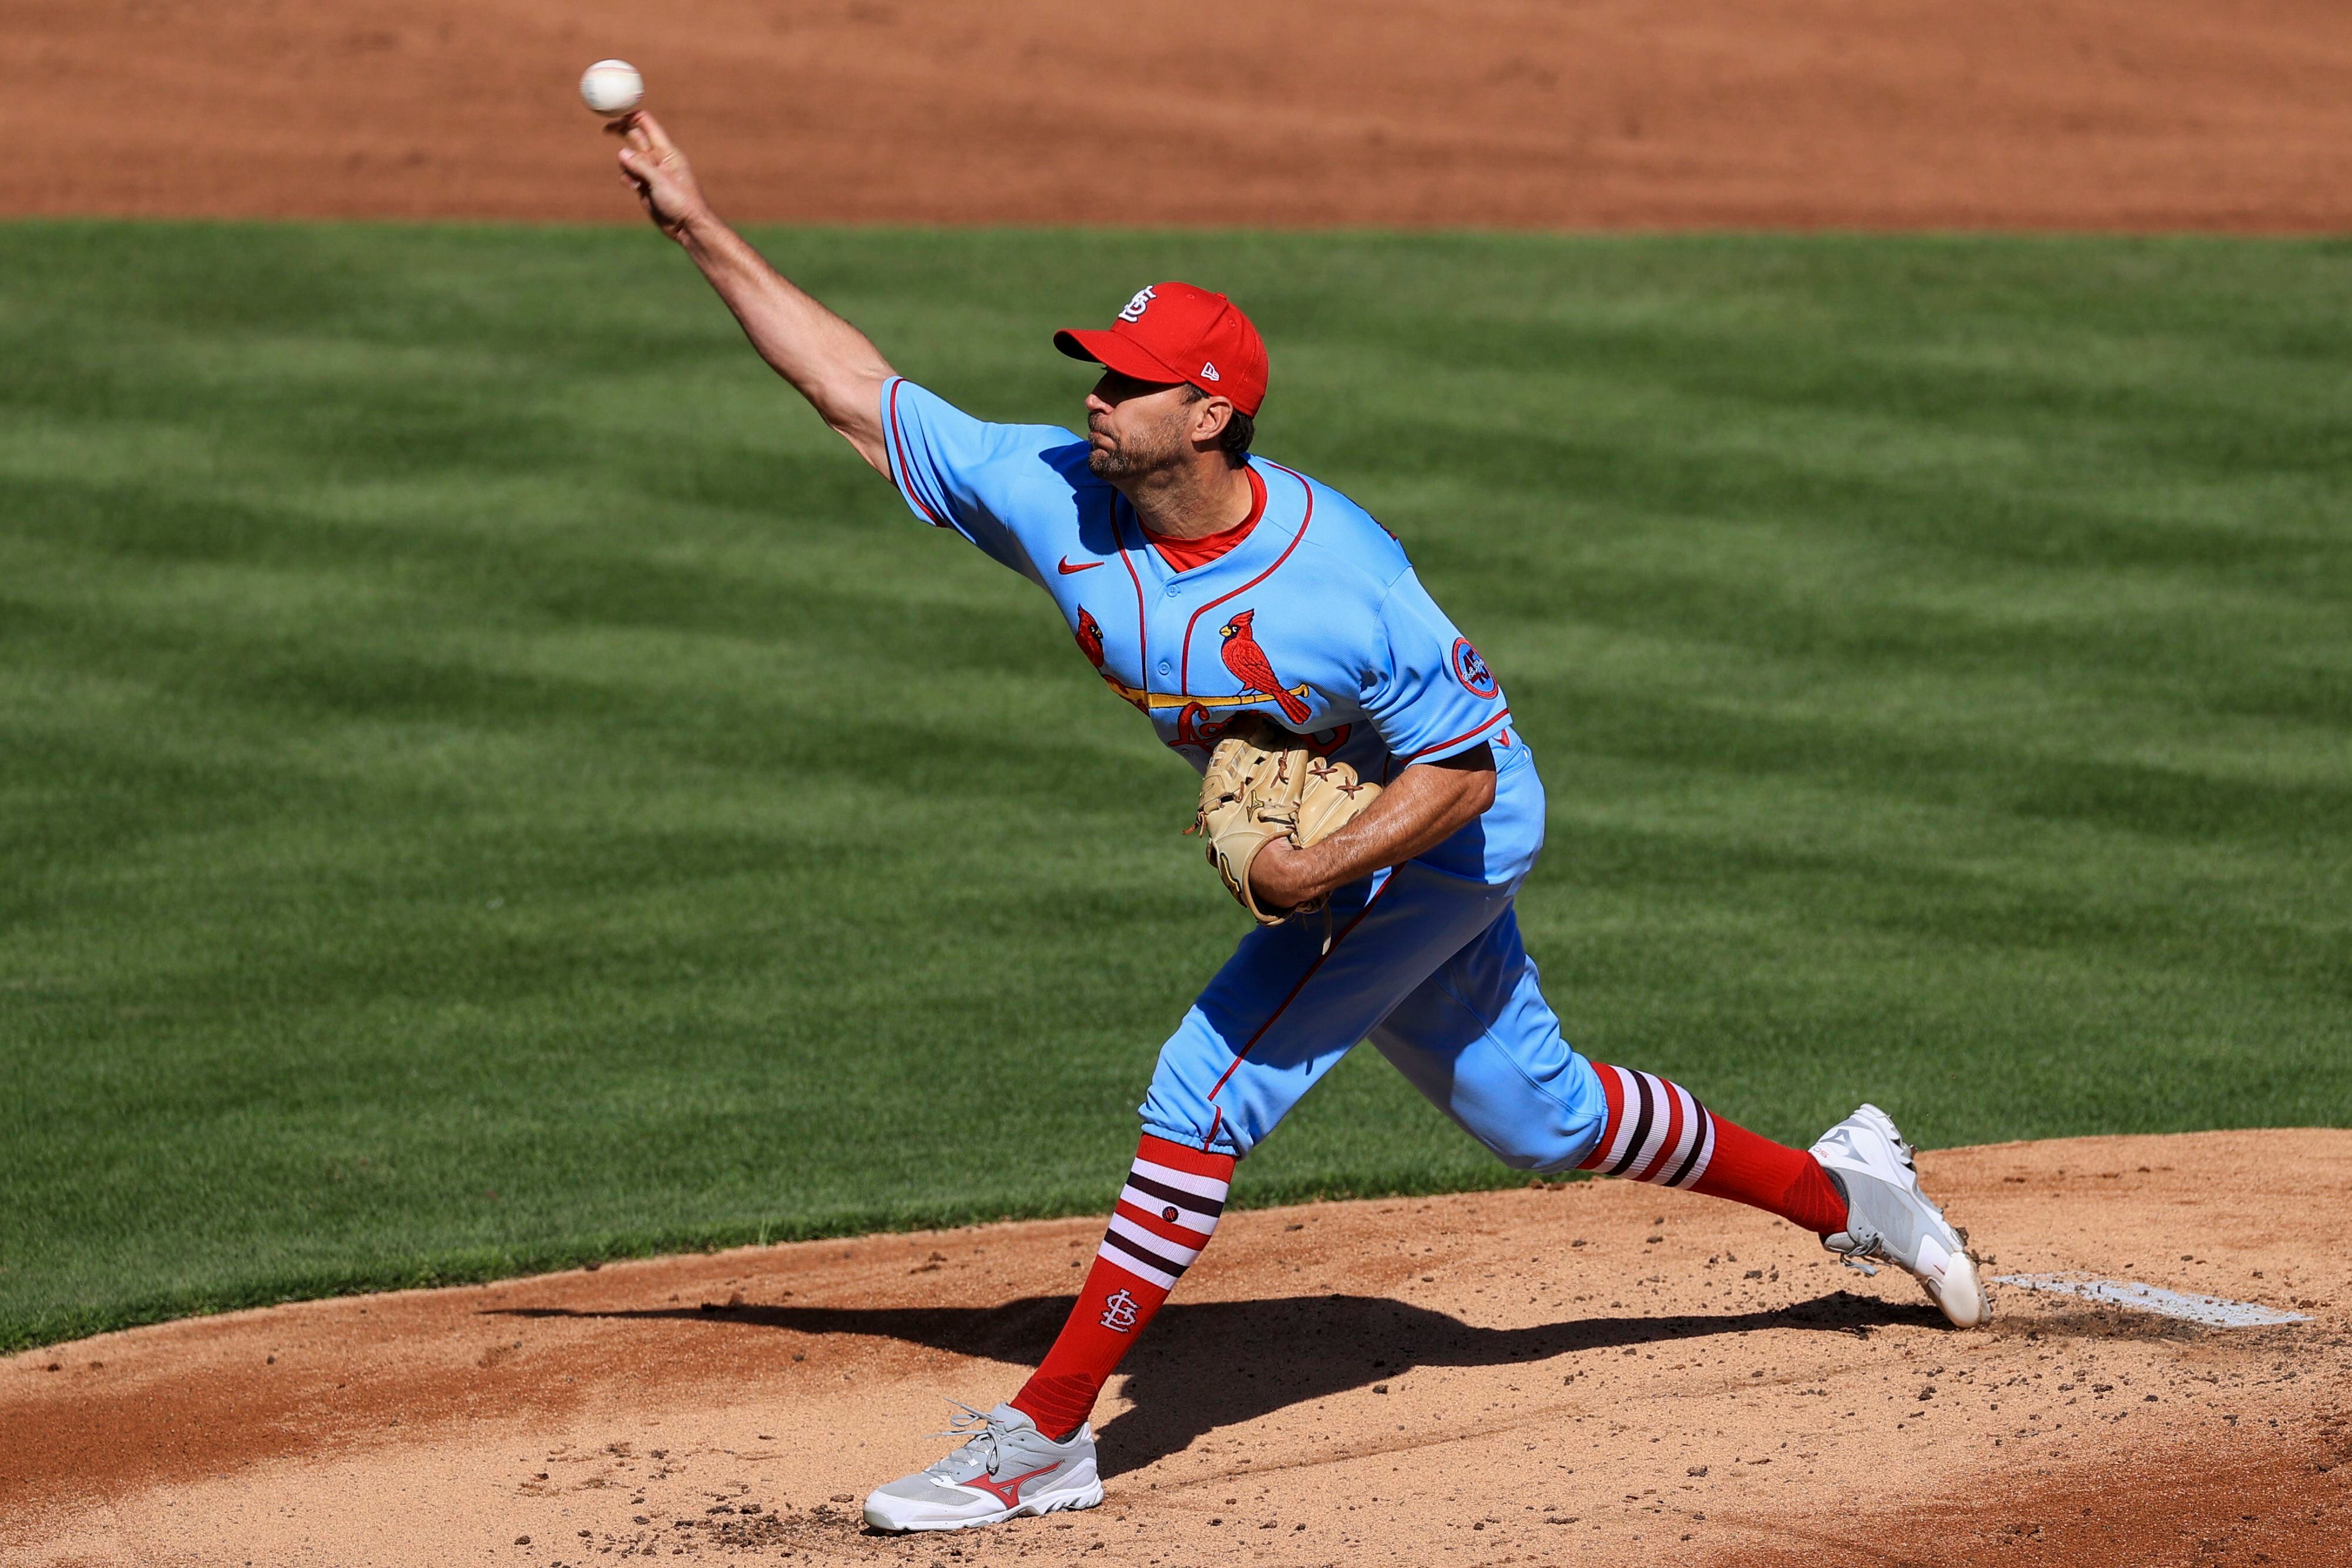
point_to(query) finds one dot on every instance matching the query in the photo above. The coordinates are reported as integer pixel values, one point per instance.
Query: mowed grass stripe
(488, 781)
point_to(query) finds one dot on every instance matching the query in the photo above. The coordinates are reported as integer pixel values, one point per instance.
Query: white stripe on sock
(1206, 1224)
(1136, 1266)
(1174, 1252)
(1661, 1118)
(1685, 1133)
(1629, 1102)
(1184, 1181)
(1705, 1153)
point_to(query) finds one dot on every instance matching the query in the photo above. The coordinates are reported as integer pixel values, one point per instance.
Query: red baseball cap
(1174, 332)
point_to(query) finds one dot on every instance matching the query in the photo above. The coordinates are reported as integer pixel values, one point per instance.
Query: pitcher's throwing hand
(659, 172)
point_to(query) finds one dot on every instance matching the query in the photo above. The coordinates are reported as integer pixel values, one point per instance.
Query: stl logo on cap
(1167, 328)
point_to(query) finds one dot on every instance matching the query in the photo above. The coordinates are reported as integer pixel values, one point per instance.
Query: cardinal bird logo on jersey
(1089, 636)
(1247, 660)
(1195, 727)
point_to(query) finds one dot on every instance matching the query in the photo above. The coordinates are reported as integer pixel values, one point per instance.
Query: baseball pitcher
(1364, 794)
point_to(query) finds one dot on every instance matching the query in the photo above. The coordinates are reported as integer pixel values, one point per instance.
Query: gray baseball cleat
(1007, 1469)
(1889, 1218)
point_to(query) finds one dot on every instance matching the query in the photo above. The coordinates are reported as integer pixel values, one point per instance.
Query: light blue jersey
(1316, 621)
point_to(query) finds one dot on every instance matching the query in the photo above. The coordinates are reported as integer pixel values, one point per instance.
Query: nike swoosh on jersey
(1066, 568)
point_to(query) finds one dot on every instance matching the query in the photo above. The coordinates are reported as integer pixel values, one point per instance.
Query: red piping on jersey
(1292, 997)
(1215, 1122)
(1142, 631)
(1184, 665)
(1466, 734)
(906, 483)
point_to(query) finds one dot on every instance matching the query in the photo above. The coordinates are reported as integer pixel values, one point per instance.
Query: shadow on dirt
(1208, 1364)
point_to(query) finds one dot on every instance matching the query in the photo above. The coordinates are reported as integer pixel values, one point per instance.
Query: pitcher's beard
(1127, 461)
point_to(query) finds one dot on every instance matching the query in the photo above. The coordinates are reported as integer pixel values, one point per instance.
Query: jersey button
(1163, 666)
(1174, 591)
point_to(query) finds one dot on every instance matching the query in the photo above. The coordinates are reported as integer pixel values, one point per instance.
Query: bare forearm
(1427, 804)
(826, 360)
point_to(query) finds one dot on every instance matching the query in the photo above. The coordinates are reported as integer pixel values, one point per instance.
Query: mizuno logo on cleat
(1007, 1493)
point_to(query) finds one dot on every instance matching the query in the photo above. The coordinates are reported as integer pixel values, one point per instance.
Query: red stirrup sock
(1166, 1214)
(1658, 1132)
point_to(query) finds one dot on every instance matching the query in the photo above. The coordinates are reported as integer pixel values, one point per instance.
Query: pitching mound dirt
(1582, 1373)
(1540, 113)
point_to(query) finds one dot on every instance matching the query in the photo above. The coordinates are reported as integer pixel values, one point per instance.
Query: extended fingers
(633, 136)
(655, 137)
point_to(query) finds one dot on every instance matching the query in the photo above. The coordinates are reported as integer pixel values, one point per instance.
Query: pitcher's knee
(1542, 1154)
(1558, 1142)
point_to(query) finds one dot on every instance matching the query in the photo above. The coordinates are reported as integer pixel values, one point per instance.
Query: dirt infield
(2135, 114)
(1570, 1373)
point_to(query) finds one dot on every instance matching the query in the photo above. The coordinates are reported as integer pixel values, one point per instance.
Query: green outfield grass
(486, 781)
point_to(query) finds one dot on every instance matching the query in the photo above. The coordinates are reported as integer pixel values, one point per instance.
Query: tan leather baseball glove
(1263, 783)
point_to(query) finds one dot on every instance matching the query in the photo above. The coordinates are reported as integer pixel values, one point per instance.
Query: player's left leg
(1478, 1039)
(1292, 1000)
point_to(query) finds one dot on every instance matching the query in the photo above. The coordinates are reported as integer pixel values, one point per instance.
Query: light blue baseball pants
(1427, 964)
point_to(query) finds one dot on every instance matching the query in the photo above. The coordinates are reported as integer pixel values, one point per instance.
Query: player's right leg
(1478, 1039)
(1856, 1188)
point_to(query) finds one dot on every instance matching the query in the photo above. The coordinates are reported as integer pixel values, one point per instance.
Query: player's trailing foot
(1007, 1469)
(1889, 1218)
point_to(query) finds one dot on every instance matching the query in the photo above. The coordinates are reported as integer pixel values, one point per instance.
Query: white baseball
(612, 87)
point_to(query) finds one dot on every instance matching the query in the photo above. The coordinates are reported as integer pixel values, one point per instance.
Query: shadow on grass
(1208, 1364)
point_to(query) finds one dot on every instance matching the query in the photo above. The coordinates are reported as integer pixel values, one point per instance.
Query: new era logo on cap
(1167, 325)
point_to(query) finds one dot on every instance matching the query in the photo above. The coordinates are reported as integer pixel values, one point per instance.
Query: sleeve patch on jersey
(1471, 671)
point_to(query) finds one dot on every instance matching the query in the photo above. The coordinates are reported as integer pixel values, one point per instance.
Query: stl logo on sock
(1119, 1312)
